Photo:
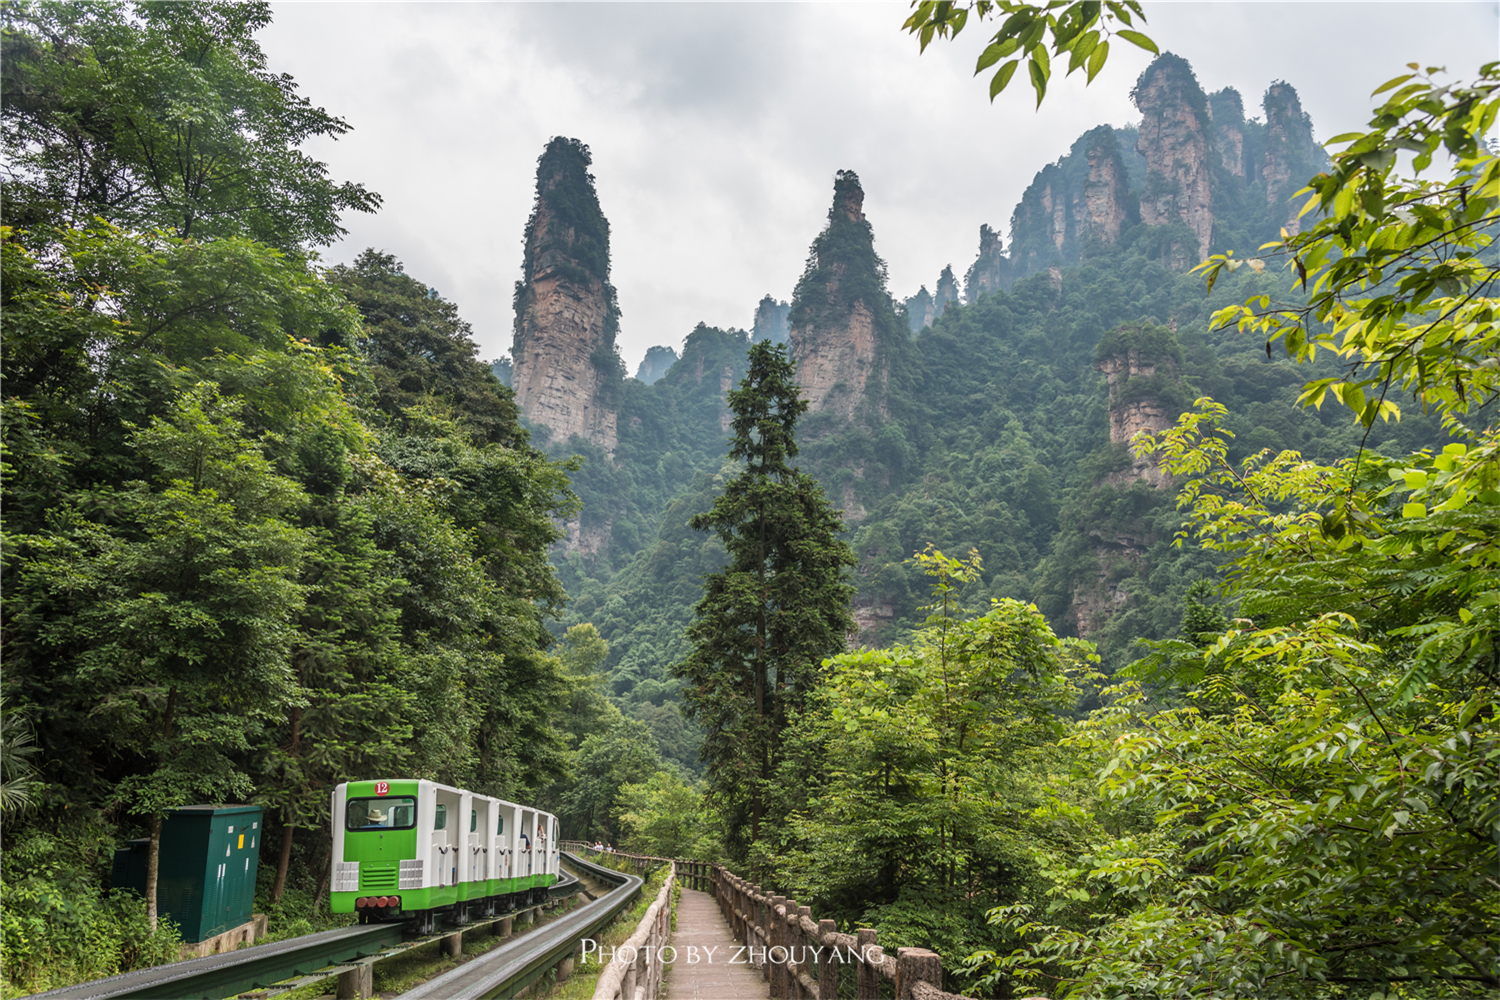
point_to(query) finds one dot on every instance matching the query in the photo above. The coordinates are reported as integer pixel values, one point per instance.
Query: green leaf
(1002, 77)
(994, 52)
(1393, 82)
(1038, 78)
(1139, 40)
(1096, 60)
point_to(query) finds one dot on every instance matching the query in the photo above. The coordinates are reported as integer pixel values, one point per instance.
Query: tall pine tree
(768, 620)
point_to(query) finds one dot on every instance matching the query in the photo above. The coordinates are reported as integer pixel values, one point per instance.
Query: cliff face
(841, 317)
(1140, 362)
(1074, 206)
(770, 321)
(1134, 408)
(1291, 156)
(1194, 160)
(947, 290)
(657, 362)
(836, 365)
(923, 308)
(920, 311)
(566, 318)
(1228, 112)
(991, 271)
(1174, 139)
(1039, 225)
(1099, 210)
(712, 361)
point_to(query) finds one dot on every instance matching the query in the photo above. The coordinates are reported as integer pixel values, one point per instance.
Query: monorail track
(271, 969)
(509, 969)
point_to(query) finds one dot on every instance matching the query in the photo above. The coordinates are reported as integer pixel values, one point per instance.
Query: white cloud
(716, 128)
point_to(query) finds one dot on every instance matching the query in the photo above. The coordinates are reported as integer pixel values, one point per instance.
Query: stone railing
(802, 958)
(635, 968)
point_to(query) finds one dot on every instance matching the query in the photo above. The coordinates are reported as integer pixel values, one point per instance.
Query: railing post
(916, 965)
(804, 962)
(828, 971)
(762, 906)
(789, 936)
(867, 986)
(775, 928)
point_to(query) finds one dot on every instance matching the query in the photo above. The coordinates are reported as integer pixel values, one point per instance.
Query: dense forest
(266, 525)
(1112, 626)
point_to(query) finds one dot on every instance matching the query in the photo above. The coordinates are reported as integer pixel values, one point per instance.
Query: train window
(473, 820)
(381, 814)
(440, 818)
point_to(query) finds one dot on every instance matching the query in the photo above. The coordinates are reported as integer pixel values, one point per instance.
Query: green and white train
(404, 848)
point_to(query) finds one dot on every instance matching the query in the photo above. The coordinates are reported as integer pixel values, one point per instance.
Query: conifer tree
(767, 620)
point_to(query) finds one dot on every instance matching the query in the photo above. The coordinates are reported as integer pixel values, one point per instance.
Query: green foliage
(163, 116)
(1399, 271)
(1081, 28)
(925, 765)
(420, 350)
(769, 618)
(605, 764)
(639, 589)
(665, 816)
(55, 930)
(17, 771)
(1327, 787)
(250, 551)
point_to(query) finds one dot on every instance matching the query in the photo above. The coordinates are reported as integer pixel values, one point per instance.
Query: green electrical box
(205, 879)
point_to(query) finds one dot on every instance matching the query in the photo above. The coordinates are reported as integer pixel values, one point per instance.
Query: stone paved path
(700, 925)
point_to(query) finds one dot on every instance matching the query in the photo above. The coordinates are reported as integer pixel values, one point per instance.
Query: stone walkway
(721, 973)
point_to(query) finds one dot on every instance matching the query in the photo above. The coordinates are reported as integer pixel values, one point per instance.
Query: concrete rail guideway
(508, 970)
(349, 953)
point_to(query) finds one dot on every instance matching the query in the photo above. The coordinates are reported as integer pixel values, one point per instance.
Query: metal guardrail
(509, 969)
(272, 968)
(237, 971)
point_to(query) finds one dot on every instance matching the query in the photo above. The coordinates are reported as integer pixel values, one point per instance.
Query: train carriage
(410, 848)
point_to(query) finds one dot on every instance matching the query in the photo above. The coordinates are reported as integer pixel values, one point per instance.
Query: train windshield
(381, 814)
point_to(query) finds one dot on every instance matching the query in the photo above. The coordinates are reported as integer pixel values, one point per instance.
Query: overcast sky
(716, 128)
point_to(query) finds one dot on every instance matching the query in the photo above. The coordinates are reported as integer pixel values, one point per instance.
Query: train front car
(409, 848)
(379, 870)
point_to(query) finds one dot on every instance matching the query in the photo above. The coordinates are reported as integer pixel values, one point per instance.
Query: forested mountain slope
(1001, 426)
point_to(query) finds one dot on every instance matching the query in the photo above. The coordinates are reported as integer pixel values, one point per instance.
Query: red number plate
(382, 787)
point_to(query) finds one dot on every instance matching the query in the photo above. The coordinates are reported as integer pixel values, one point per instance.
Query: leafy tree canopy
(163, 115)
(420, 350)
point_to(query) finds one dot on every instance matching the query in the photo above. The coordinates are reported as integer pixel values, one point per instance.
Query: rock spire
(770, 320)
(1074, 206)
(1175, 136)
(842, 319)
(566, 371)
(991, 270)
(1291, 154)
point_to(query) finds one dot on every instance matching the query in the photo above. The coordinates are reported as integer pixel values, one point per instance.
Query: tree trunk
(153, 858)
(283, 862)
(153, 853)
(321, 895)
